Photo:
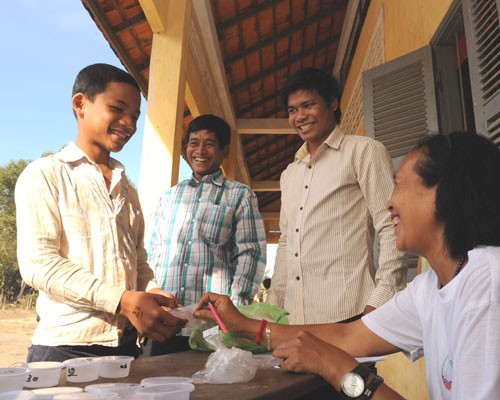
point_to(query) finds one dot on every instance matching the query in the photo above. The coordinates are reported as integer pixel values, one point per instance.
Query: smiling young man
(332, 204)
(207, 234)
(80, 233)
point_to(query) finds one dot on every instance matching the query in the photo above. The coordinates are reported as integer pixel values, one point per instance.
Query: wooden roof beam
(266, 126)
(285, 64)
(286, 32)
(169, 20)
(105, 27)
(209, 41)
(266, 186)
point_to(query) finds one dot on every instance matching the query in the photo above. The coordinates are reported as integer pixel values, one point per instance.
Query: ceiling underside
(262, 42)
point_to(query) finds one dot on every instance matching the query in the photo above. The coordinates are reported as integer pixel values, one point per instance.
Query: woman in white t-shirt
(446, 208)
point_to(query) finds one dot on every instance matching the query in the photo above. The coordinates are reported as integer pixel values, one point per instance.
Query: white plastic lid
(167, 389)
(100, 387)
(87, 396)
(17, 395)
(165, 380)
(49, 393)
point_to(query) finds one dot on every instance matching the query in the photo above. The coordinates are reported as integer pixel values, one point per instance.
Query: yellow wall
(405, 377)
(408, 25)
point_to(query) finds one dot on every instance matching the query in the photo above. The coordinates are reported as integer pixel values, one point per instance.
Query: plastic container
(115, 366)
(49, 393)
(83, 369)
(165, 380)
(174, 391)
(87, 396)
(17, 395)
(12, 379)
(43, 374)
(122, 388)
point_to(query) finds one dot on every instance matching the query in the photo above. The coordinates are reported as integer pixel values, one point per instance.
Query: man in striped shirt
(333, 200)
(207, 234)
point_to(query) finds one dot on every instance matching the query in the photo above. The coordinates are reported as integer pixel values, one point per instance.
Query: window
(452, 84)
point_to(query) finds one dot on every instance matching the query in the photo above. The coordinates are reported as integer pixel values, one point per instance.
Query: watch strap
(372, 387)
(363, 371)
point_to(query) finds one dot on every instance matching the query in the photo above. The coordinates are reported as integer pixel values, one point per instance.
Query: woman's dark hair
(93, 79)
(313, 79)
(466, 169)
(211, 123)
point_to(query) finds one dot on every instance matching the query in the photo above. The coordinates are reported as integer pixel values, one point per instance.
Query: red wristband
(258, 336)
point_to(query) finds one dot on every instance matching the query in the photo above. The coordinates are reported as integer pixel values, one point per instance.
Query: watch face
(352, 384)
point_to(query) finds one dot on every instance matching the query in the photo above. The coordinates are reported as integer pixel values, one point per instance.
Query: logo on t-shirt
(447, 373)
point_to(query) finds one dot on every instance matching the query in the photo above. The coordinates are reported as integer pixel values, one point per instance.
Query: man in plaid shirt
(206, 233)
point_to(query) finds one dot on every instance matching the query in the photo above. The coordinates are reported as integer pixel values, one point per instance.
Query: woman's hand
(229, 314)
(308, 354)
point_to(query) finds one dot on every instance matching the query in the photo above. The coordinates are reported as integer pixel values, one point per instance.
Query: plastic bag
(259, 311)
(193, 324)
(226, 365)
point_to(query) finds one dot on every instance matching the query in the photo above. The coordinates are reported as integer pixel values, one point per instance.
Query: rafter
(107, 29)
(284, 64)
(287, 32)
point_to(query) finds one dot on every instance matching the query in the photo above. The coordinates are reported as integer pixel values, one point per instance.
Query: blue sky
(44, 45)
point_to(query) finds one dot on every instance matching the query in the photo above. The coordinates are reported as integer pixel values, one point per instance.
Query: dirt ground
(16, 328)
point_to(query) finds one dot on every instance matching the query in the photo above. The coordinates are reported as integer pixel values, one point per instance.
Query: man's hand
(169, 295)
(145, 312)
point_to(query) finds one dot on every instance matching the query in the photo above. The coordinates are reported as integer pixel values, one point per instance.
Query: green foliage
(10, 279)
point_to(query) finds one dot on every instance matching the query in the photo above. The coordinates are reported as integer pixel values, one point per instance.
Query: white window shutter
(400, 102)
(482, 30)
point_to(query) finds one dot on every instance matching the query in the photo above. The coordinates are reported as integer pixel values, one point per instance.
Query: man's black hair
(211, 123)
(310, 79)
(94, 78)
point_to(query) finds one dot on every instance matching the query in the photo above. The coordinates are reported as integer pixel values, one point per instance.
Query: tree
(10, 278)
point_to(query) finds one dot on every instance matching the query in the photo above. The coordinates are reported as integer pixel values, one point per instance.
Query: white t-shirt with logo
(457, 327)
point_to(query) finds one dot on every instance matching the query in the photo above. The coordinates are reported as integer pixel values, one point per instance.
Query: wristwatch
(352, 384)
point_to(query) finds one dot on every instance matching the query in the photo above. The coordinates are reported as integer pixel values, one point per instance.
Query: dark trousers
(127, 347)
(174, 345)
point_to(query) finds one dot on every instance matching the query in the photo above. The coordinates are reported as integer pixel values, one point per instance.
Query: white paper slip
(370, 359)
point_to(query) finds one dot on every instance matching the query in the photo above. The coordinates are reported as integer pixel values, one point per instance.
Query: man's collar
(333, 140)
(72, 153)
(217, 178)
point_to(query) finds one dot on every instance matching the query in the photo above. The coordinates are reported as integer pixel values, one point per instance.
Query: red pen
(217, 318)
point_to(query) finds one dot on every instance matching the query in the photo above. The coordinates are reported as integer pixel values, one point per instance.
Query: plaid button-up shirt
(206, 236)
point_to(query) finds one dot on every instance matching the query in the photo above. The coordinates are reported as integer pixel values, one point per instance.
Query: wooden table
(269, 383)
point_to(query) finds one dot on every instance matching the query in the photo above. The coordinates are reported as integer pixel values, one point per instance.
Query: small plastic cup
(179, 391)
(83, 369)
(12, 379)
(165, 380)
(43, 374)
(115, 366)
(49, 393)
(122, 388)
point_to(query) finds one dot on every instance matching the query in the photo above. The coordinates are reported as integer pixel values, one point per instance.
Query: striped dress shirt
(81, 246)
(208, 236)
(332, 205)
